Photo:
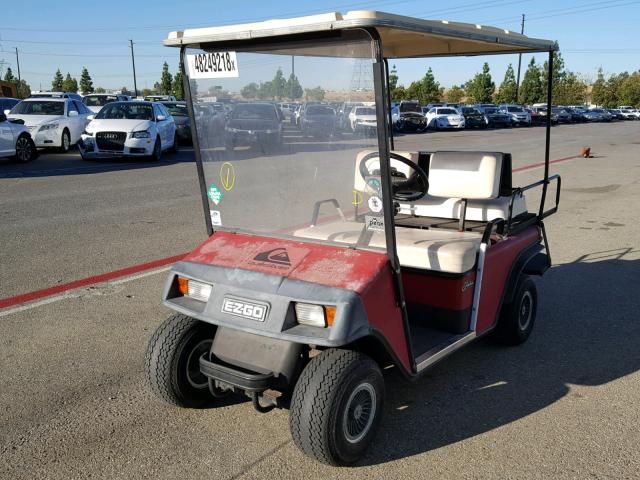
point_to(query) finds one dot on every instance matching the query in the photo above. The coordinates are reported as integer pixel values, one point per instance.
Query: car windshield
(470, 111)
(490, 110)
(127, 111)
(597, 110)
(177, 109)
(305, 180)
(515, 109)
(98, 100)
(254, 111)
(39, 107)
(446, 111)
(320, 110)
(365, 111)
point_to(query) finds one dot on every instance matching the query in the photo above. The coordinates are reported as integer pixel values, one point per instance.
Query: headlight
(141, 134)
(85, 132)
(49, 126)
(194, 289)
(315, 315)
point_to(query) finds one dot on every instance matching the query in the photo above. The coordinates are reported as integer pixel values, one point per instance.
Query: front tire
(156, 155)
(337, 406)
(65, 141)
(172, 364)
(518, 317)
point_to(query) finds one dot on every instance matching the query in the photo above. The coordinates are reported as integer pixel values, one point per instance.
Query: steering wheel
(404, 189)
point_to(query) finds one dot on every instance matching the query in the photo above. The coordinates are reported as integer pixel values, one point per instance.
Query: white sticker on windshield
(213, 65)
(216, 219)
(375, 204)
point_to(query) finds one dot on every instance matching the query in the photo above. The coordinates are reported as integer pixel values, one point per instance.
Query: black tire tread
(507, 330)
(158, 358)
(313, 397)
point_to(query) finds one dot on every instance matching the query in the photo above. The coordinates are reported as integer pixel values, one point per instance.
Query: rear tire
(172, 363)
(337, 406)
(25, 149)
(518, 317)
(174, 147)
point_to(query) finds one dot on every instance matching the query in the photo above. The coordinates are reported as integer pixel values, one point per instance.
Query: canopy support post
(548, 135)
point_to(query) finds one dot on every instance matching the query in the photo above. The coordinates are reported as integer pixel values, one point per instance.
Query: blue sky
(72, 34)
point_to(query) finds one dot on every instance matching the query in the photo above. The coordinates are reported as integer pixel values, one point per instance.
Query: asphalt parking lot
(73, 401)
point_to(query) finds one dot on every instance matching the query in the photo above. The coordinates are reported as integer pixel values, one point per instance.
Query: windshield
(490, 110)
(177, 109)
(515, 109)
(127, 111)
(290, 177)
(446, 111)
(470, 111)
(39, 108)
(98, 100)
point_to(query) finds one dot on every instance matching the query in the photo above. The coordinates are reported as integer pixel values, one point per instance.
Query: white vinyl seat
(438, 249)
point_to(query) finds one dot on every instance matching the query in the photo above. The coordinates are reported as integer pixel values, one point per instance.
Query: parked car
(562, 115)
(160, 98)
(180, 114)
(408, 117)
(253, 124)
(95, 101)
(7, 103)
(474, 118)
(593, 116)
(72, 95)
(628, 114)
(604, 116)
(363, 120)
(616, 114)
(519, 116)
(15, 140)
(318, 121)
(53, 122)
(536, 118)
(444, 118)
(129, 129)
(542, 111)
(496, 118)
(575, 113)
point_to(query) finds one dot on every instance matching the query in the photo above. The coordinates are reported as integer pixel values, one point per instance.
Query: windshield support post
(382, 102)
(548, 136)
(390, 125)
(186, 86)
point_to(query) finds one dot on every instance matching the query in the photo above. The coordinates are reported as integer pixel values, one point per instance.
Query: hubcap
(23, 149)
(195, 378)
(359, 413)
(65, 141)
(524, 317)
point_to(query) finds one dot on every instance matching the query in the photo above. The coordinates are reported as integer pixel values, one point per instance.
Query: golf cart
(329, 260)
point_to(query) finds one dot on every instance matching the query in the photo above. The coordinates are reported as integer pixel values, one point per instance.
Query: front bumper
(449, 125)
(251, 137)
(46, 138)
(133, 147)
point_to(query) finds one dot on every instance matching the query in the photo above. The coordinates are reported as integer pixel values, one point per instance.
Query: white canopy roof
(401, 36)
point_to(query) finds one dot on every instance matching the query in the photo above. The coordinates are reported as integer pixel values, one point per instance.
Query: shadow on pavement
(586, 333)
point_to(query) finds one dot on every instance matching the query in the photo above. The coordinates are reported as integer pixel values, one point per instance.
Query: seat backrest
(470, 175)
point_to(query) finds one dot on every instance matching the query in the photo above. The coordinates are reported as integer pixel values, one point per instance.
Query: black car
(410, 117)
(495, 118)
(473, 117)
(180, 114)
(318, 121)
(253, 124)
(576, 115)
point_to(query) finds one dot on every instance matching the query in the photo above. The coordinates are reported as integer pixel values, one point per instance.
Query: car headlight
(49, 126)
(315, 315)
(86, 132)
(141, 134)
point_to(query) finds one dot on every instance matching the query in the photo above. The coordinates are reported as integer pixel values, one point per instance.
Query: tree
(426, 90)
(481, 87)
(86, 85)
(393, 79)
(24, 89)
(293, 87)
(454, 95)
(558, 75)
(56, 84)
(99, 90)
(531, 90)
(166, 80)
(316, 94)
(8, 76)
(598, 89)
(177, 87)
(250, 91)
(571, 91)
(399, 93)
(630, 90)
(508, 87)
(69, 84)
(279, 85)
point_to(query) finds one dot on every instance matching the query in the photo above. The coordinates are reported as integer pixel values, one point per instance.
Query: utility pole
(133, 62)
(519, 60)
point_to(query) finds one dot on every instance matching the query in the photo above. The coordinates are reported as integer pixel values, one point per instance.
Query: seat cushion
(477, 210)
(471, 175)
(441, 250)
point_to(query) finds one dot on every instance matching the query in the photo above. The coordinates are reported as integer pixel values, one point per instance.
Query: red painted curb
(105, 277)
(541, 164)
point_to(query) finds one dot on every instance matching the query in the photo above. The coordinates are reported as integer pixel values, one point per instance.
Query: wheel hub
(359, 413)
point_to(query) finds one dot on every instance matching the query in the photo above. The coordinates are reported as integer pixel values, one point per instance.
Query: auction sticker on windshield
(213, 65)
(215, 194)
